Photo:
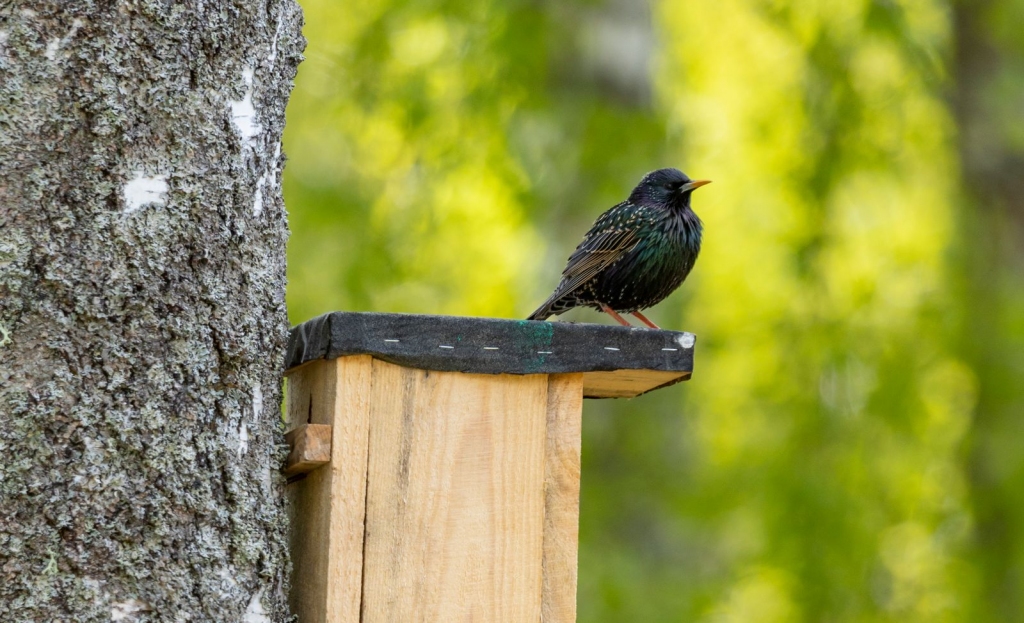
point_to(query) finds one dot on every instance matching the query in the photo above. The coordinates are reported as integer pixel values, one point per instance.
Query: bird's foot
(642, 318)
(611, 312)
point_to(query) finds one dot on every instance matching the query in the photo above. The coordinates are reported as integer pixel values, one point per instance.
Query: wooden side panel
(562, 497)
(455, 499)
(328, 505)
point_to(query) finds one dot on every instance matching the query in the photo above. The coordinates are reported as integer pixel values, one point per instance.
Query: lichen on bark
(142, 275)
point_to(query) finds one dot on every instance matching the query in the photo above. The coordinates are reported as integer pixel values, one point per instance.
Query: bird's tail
(545, 310)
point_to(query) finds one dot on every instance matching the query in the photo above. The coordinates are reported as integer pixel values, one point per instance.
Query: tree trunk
(988, 89)
(142, 317)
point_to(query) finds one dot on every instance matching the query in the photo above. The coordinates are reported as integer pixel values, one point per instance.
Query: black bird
(636, 254)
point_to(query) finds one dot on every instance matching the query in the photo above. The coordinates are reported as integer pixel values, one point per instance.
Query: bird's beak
(694, 184)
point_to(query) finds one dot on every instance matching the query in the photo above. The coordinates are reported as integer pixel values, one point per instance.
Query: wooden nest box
(435, 464)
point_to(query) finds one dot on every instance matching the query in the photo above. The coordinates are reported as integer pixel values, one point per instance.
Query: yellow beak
(695, 184)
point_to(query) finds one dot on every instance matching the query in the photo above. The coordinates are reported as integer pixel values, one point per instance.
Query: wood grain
(562, 497)
(328, 505)
(627, 383)
(310, 448)
(455, 498)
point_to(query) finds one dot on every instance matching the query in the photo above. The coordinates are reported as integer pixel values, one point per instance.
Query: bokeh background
(851, 446)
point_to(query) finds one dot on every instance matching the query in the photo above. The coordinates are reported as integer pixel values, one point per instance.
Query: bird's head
(665, 188)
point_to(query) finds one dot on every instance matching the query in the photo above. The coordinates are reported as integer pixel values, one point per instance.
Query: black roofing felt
(489, 345)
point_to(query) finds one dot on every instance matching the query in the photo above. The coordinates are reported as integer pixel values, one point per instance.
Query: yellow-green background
(851, 446)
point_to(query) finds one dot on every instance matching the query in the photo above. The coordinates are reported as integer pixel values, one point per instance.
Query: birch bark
(142, 316)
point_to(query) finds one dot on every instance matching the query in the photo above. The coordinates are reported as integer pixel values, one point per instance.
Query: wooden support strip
(328, 505)
(562, 497)
(628, 383)
(311, 448)
(455, 497)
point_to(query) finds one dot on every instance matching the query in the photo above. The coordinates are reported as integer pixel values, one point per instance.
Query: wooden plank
(455, 497)
(499, 346)
(628, 383)
(328, 505)
(310, 448)
(562, 497)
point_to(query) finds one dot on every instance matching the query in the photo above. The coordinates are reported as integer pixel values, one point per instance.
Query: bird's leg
(611, 312)
(642, 318)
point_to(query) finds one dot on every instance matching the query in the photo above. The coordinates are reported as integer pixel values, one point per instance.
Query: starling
(636, 254)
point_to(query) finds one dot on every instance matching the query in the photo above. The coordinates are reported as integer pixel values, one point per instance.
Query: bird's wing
(603, 245)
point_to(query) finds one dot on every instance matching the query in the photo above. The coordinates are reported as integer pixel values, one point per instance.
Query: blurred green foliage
(846, 451)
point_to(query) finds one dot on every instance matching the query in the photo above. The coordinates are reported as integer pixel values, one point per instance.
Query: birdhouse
(434, 472)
